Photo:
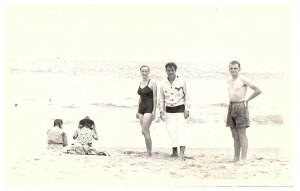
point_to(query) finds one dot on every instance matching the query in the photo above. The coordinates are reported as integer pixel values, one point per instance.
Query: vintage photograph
(148, 94)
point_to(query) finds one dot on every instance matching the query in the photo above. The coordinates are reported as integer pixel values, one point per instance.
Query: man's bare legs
(240, 142)
(236, 144)
(243, 141)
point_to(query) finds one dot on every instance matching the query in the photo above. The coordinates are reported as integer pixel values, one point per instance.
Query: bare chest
(236, 86)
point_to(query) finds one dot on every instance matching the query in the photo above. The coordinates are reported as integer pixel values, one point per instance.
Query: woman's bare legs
(145, 121)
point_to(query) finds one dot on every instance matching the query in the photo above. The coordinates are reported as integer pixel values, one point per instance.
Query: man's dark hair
(171, 65)
(236, 62)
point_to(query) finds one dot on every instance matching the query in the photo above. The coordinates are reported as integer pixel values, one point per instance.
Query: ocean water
(114, 84)
(39, 92)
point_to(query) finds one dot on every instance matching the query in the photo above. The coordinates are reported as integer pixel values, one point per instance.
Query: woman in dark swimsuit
(147, 105)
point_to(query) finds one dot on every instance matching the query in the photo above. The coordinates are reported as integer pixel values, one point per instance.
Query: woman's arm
(75, 135)
(95, 134)
(154, 100)
(65, 139)
(137, 112)
(48, 138)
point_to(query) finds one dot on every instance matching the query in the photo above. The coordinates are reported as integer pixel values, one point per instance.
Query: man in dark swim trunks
(238, 115)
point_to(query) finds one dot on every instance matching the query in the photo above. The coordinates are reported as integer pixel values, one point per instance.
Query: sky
(257, 35)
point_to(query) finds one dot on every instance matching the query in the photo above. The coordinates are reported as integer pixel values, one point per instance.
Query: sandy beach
(35, 97)
(131, 167)
(208, 155)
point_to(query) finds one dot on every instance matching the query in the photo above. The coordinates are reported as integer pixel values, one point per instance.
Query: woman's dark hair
(87, 122)
(58, 122)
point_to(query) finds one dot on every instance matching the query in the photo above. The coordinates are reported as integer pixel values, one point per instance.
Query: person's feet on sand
(90, 152)
(174, 152)
(240, 163)
(174, 155)
(243, 161)
(181, 157)
(102, 153)
(149, 154)
(235, 160)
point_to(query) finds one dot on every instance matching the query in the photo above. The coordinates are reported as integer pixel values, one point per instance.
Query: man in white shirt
(174, 109)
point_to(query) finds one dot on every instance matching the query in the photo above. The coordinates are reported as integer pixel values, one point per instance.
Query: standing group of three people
(174, 106)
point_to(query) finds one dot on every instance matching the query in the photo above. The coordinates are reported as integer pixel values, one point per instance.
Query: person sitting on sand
(84, 136)
(57, 138)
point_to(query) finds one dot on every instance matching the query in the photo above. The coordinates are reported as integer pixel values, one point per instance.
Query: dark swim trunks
(238, 115)
(146, 104)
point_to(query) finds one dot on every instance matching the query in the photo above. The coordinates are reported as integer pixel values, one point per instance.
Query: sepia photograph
(149, 94)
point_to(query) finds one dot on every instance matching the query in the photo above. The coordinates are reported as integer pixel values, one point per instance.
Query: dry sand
(131, 167)
(28, 163)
